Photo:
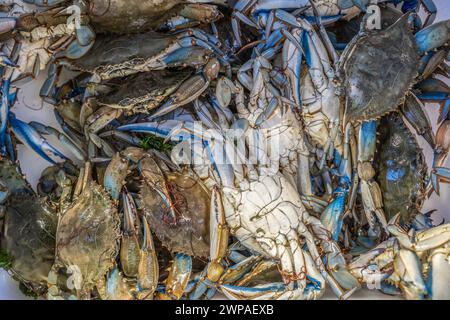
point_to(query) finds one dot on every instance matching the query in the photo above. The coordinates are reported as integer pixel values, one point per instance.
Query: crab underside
(191, 200)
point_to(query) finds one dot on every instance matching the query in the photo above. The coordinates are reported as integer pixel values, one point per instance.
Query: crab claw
(442, 98)
(424, 221)
(419, 241)
(332, 216)
(7, 24)
(413, 111)
(403, 237)
(191, 89)
(275, 291)
(75, 51)
(6, 61)
(29, 136)
(407, 264)
(179, 276)
(430, 9)
(263, 292)
(433, 36)
(169, 129)
(439, 174)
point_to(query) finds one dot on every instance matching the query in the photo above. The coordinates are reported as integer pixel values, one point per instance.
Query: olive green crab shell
(29, 228)
(401, 169)
(379, 68)
(118, 56)
(88, 235)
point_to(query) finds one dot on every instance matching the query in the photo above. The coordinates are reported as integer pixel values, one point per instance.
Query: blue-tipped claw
(75, 51)
(261, 292)
(4, 110)
(439, 174)
(332, 216)
(32, 138)
(6, 61)
(433, 36)
(163, 129)
(443, 98)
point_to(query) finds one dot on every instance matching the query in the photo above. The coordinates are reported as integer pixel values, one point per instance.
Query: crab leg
(439, 274)
(148, 270)
(31, 137)
(433, 36)
(440, 154)
(370, 190)
(219, 236)
(4, 110)
(179, 276)
(413, 110)
(76, 150)
(332, 216)
(129, 248)
(191, 89)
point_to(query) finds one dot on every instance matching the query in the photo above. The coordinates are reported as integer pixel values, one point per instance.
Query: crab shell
(29, 229)
(143, 92)
(191, 235)
(88, 234)
(134, 15)
(115, 56)
(379, 67)
(401, 167)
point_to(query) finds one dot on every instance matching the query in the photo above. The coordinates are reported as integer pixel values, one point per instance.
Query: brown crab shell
(88, 234)
(379, 68)
(192, 200)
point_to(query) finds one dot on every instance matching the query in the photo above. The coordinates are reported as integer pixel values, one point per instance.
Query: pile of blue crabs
(247, 149)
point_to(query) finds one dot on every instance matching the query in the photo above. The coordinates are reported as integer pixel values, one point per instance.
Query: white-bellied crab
(263, 210)
(414, 263)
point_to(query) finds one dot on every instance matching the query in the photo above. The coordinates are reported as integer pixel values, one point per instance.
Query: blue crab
(76, 23)
(368, 100)
(413, 263)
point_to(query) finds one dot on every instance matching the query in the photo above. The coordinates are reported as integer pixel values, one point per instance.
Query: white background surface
(32, 165)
